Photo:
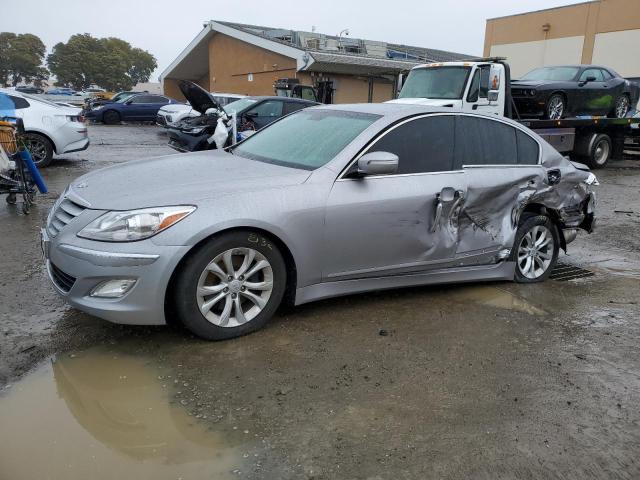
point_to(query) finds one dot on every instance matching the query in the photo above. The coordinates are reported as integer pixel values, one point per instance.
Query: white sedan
(50, 128)
(169, 115)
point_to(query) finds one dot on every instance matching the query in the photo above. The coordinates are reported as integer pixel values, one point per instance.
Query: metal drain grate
(563, 272)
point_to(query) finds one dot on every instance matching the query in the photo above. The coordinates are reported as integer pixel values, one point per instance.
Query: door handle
(447, 195)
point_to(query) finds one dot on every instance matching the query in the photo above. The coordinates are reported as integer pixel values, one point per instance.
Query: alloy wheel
(622, 106)
(556, 108)
(37, 148)
(234, 287)
(535, 252)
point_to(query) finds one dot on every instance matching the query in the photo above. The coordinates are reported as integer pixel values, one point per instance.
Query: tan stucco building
(603, 32)
(248, 59)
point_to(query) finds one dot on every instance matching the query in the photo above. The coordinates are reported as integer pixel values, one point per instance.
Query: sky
(165, 27)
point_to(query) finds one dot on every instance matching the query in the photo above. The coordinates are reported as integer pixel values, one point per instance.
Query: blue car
(139, 108)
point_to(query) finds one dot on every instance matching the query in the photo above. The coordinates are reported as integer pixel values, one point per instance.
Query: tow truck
(485, 87)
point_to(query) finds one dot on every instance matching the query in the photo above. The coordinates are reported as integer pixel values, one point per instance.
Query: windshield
(435, 82)
(39, 99)
(238, 106)
(307, 139)
(560, 74)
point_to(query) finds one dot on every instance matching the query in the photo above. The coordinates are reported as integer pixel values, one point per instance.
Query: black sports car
(574, 90)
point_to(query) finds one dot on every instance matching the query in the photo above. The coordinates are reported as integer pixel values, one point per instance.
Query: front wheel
(231, 286)
(536, 249)
(111, 117)
(556, 107)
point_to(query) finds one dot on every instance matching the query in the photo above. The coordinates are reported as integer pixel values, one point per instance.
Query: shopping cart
(18, 174)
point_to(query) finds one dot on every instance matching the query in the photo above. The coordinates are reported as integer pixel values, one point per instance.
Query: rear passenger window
(482, 141)
(422, 145)
(19, 102)
(290, 107)
(527, 149)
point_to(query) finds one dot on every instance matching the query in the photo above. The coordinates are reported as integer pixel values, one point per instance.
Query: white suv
(50, 128)
(169, 115)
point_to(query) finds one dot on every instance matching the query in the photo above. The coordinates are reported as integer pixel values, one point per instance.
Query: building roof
(313, 51)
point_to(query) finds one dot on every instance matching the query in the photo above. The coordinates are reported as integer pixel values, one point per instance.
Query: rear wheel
(536, 249)
(231, 286)
(40, 148)
(556, 107)
(621, 106)
(111, 117)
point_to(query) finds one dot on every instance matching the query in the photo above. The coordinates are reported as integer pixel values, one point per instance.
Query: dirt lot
(482, 381)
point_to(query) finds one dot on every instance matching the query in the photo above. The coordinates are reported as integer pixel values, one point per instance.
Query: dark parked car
(574, 90)
(252, 113)
(29, 89)
(142, 107)
(95, 101)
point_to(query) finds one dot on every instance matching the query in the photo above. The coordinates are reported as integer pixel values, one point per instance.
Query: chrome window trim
(365, 150)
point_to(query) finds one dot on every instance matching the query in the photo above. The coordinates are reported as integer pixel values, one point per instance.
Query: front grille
(61, 214)
(160, 120)
(63, 280)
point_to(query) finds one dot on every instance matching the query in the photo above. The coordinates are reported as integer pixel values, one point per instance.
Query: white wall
(525, 56)
(618, 50)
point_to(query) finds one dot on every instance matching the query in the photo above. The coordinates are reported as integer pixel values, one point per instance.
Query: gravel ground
(479, 381)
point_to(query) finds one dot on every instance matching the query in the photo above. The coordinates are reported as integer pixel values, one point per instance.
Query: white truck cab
(473, 86)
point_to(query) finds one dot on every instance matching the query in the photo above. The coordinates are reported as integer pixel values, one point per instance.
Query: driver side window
(474, 88)
(591, 72)
(422, 145)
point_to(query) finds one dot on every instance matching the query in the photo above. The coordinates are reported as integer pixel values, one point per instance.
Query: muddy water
(498, 298)
(99, 414)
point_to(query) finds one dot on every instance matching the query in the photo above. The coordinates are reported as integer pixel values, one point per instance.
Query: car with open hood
(556, 92)
(252, 113)
(170, 115)
(327, 201)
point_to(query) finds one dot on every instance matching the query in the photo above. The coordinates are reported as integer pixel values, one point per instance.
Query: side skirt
(500, 271)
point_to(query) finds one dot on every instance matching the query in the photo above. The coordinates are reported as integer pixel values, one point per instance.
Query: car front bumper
(77, 266)
(530, 106)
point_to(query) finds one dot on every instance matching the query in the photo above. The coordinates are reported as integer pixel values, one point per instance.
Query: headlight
(99, 107)
(134, 224)
(532, 93)
(194, 130)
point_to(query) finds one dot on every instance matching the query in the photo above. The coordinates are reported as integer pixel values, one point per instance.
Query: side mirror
(495, 77)
(378, 163)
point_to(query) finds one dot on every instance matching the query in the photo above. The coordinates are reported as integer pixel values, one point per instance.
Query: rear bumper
(77, 146)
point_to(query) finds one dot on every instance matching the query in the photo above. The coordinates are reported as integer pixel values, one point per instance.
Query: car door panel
(385, 225)
(488, 218)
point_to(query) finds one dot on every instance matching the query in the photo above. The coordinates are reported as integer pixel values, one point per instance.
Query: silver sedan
(327, 201)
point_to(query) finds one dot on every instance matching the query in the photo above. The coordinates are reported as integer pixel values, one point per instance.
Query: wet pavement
(479, 381)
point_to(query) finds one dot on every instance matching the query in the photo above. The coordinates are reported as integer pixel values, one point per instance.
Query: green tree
(110, 63)
(21, 57)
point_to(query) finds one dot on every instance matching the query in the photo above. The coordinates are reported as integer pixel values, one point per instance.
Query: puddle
(105, 415)
(498, 298)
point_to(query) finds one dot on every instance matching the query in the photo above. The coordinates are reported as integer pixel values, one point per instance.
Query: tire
(621, 107)
(556, 107)
(600, 152)
(543, 258)
(214, 315)
(111, 117)
(40, 148)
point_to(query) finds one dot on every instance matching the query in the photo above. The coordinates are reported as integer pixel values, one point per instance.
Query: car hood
(178, 180)
(531, 83)
(198, 97)
(430, 102)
